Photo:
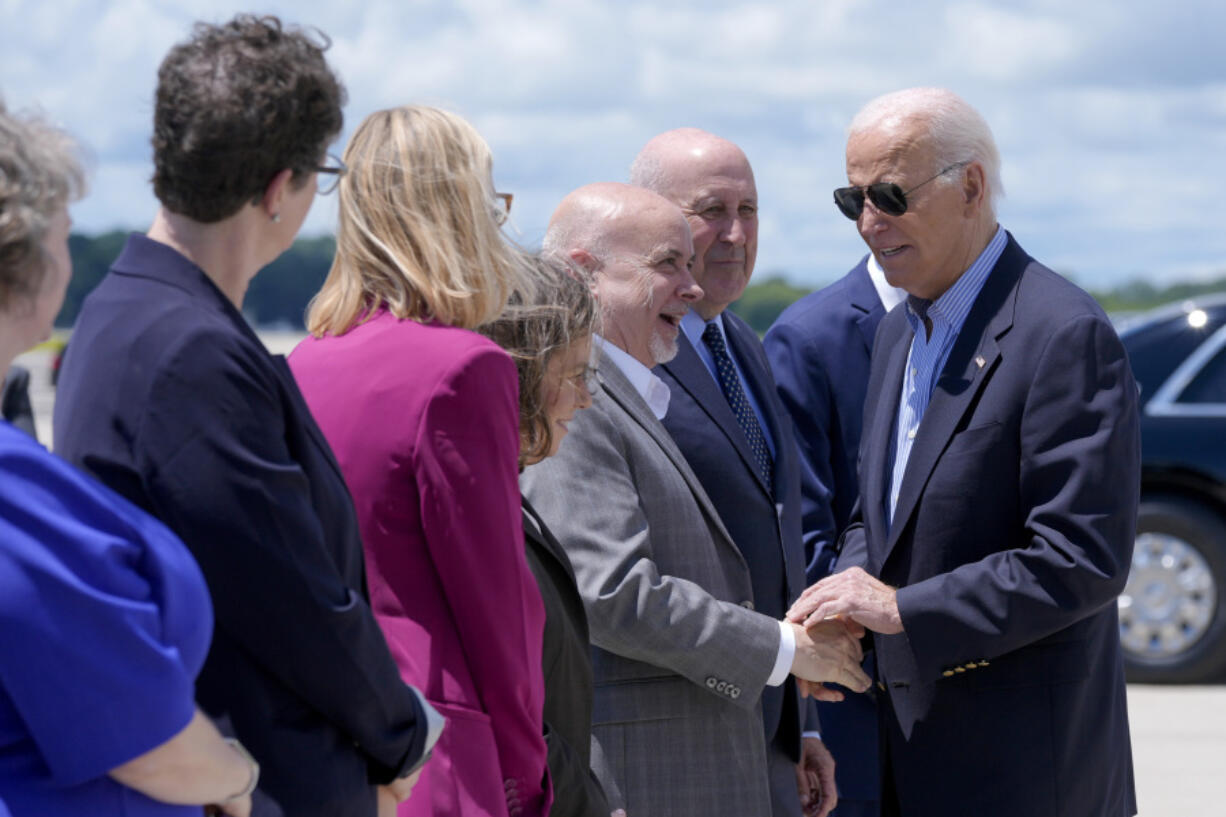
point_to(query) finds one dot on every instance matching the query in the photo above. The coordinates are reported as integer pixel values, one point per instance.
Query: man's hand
(852, 594)
(815, 779)
(829, 651)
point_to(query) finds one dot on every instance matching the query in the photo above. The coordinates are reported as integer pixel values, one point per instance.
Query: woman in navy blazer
(168, 397)
(105, 615)
(422, 413)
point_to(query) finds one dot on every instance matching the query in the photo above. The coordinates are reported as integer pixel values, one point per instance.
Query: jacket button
(959, 669)
(748, 605)
(881, 686)
(735, 693)
(983, 663)
(971, 665)
(721, 687)
(711, 682)
(948, 673)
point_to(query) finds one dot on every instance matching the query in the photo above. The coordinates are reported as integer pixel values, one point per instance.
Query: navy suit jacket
(765, 528)
(819, 350)
(1011, 539)
(169, 398)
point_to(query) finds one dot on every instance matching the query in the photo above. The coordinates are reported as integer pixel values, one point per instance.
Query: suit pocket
(975, 440)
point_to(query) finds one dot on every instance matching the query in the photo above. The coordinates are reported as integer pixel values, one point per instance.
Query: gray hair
(957, 131)
(40, 172)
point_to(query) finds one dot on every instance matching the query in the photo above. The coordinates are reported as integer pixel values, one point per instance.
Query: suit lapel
(614, 384)
(688, 370)
(535, 530)
(305, 419)
(864, 299)
(876, 442)
(972, 360)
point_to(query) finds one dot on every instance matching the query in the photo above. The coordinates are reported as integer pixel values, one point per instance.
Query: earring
(276, 218)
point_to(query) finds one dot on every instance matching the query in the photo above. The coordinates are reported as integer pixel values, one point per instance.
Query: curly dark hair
(559, 311)
(236, 104)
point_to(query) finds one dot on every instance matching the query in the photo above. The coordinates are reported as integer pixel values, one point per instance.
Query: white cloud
(1111, 114)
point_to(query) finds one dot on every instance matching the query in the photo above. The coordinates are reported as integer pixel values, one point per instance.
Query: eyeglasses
(887, 197)
(586, 378)
(502, 207)
(336, 168)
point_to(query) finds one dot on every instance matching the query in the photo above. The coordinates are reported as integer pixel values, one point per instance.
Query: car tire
(1182, 545)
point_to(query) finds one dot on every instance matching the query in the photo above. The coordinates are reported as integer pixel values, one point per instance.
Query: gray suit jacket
(680, 657)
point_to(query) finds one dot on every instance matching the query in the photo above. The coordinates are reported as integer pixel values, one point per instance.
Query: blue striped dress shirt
(929, 353)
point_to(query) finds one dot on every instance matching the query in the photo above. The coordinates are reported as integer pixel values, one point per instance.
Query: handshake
(828, 620)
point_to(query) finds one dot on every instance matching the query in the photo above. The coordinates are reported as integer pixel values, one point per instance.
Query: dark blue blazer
(819, 350)
(169, 398)
(1011, 540)
(765, 528)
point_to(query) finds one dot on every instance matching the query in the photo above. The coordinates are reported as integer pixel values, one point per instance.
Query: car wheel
(1173, 608)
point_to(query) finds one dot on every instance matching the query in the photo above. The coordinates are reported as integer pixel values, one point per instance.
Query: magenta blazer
(424, 420)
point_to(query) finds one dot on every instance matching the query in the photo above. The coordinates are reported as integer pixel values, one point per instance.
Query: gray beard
(662, 351)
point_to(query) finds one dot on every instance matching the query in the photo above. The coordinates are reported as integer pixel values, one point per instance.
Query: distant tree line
(279, 295)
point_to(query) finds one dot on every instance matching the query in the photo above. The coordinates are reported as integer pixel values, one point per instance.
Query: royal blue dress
(105, 621)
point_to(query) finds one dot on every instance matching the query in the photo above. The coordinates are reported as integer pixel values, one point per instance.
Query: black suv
(1172, 612)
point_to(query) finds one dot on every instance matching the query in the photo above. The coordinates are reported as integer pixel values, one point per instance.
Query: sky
(1110, 115)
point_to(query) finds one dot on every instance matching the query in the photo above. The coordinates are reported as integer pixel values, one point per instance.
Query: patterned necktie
(731, 385)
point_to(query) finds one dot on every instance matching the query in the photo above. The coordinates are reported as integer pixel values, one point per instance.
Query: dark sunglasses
(887, 197)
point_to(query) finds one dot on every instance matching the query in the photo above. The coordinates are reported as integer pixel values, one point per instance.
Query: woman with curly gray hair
(105, 615)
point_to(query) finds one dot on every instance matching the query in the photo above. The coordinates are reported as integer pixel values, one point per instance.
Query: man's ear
(974, 185)
(275, 193)
(587, 262)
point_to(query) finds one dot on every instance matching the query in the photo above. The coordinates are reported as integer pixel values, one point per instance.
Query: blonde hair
(418, 232)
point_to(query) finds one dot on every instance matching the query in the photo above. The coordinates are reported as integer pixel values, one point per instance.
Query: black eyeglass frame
(887, 197)
(337, 172)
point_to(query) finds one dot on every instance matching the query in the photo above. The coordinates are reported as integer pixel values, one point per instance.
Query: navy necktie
(730, 382)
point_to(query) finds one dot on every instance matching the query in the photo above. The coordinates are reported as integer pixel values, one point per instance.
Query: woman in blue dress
(104, 616)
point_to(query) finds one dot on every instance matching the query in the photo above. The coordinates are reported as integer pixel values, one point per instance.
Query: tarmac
(1178, 732)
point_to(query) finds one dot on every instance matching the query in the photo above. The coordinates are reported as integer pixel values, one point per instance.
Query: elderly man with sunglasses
(999, 475)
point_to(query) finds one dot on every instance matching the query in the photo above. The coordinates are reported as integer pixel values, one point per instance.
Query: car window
(1209, 384)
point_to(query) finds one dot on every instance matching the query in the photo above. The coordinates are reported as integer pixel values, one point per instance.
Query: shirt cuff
(783, 660)
(807, 734)
(434, 721)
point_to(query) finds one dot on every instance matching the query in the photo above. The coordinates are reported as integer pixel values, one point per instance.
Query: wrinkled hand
(852, 594)
(829, 651)
(815, 779)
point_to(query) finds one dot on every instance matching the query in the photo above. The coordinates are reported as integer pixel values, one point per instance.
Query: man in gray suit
(728, 421)
(681, 656)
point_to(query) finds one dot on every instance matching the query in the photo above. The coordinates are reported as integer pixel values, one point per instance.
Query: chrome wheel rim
(1169, 600)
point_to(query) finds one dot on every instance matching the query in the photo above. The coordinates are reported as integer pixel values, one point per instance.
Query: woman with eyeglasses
(550, 339)
(168, 397)
(422, 413)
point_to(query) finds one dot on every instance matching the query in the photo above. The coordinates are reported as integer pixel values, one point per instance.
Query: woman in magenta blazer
(423, 416)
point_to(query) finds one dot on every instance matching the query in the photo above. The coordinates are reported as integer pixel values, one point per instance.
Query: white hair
(957, 131)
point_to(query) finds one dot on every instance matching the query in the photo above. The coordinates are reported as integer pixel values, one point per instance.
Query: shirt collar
(651, 388)
(890, 296)
(955, 303)
(693, 325)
